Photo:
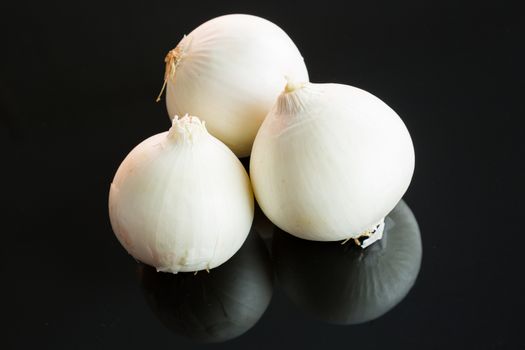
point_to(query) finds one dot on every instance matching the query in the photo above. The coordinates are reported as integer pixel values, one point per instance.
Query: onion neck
(291, 99)
(186, 129)
(292, 86)
(171, 61)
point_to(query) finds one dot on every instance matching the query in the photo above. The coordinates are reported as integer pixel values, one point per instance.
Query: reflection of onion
(346, 284)
(215, 306)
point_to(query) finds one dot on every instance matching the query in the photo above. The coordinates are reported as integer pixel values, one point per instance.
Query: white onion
(330, 161)
(181, 200)
(229, 71)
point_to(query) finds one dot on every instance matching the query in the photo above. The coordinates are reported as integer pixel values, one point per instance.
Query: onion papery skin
(181, 200)
(330, 161)
(229, 71)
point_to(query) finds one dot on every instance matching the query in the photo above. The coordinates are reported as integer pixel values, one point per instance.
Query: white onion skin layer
(181, 200)
(330, 161)
(229, 72)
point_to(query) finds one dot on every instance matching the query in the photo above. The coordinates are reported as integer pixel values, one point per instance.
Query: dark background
(78, 81)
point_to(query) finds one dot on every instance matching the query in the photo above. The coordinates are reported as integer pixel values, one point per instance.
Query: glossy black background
(78, 83)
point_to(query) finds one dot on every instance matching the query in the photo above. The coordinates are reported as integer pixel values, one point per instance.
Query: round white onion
(229, 71)
(181, 200)
(330, 161)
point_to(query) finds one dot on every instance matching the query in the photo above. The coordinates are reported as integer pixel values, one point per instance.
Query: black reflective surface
(78, 81)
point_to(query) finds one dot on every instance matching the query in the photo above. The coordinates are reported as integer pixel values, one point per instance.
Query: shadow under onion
(345, 284)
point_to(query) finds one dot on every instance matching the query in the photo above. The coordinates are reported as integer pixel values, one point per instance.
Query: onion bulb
(330, 161)
(229, 71)
(181, 200)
